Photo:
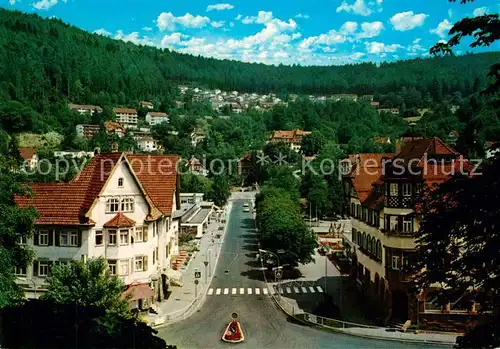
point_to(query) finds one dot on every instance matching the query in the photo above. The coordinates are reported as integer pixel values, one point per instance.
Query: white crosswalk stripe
(265, 291)
(296, 290)
(210, 291)
(311, 289)
(226, 291)
(233, 291)
(242, 291)
(218, 291)
(249, 291)
(304, 290)
(257, 291)
(285, 290)
(288, 290)
(320, 290)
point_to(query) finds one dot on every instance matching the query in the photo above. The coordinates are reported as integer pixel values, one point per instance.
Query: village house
(146, 104)
(87, 131)
(127, 117)
(75, 154)
(116, 210)
(147, 144)
(195, 215)
(381, 140)
(29, 156)
(381, 203)
(114, 127)
(156, 118)
(394, 111)
(85, 109)
(195, 166)
(197, 136)
(292, 138)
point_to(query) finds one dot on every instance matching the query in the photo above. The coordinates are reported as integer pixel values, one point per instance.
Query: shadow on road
(253, 274)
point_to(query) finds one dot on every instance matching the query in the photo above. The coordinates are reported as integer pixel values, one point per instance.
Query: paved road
(263, 324)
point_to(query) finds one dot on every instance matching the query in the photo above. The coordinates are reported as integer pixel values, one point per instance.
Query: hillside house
(292, 138)
(29, 156)
(156, 118)
(127, 117)
(87, 131)
(85, 109)
(147, 105)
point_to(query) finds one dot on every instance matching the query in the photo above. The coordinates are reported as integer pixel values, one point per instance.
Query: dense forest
(46, 60)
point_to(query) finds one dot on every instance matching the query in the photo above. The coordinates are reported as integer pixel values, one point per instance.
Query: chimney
(114, 148)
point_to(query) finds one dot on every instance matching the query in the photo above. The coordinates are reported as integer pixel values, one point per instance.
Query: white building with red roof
(121, 208)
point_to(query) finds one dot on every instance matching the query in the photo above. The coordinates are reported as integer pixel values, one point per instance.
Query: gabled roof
(157, 114)
(86, 107)
(70, 203)
(158, 177)
(119, 221)
(27, 152)
(419, 148)
(125, 110)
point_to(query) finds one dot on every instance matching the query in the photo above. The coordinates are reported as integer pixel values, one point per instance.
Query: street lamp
(34, 285)
(278, 260)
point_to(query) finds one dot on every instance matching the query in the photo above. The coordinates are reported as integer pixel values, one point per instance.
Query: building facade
(85, 109)
(381, 191)
(120, 208)
(87, 131)
(156, 118)
(292, 138)
(127, 117)
(29, 156)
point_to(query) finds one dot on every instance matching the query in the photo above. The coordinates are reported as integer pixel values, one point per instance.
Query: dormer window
(112, 205)
(120, 182)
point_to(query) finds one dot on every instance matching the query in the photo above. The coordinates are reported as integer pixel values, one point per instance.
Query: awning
(139, 291)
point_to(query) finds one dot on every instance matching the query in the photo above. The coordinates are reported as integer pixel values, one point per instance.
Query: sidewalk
(187, 298)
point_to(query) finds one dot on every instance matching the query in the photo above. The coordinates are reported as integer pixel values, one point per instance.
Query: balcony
(396, 276)
(400, 202)
(397, 233)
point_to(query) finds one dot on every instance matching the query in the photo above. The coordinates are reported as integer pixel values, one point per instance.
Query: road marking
(265, 291)
(304, 290)
(233, 291)
(257, 291)
(288, 290)
(242, 291)
(210, 291)
(249, 291)
(226, 291)
(312, 289)
(320, 290)
(218, 291)
(296, 289)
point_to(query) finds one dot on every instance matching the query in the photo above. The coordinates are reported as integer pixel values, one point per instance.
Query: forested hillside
(46, 60)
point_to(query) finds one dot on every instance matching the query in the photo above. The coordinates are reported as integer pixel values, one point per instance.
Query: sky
(305, 32)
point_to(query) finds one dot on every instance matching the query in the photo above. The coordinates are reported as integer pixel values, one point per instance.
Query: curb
(203, 293)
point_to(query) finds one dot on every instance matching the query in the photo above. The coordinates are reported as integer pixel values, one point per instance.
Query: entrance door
(399, 305)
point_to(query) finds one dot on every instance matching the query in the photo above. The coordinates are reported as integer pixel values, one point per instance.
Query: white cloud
(238, 17)
(262, 17)
(349, 27)
(171, 39)
(102, 31)
(480, 11)
(147, 29)
(416, 41)
(219, 7)
(218, 24)
(450, 13)
(408, 20)
(442, 29)
(12, 2)
(301, 15)
(442, 42)
(133, 37)
(44, 4)
(360, 7)
(379, 47)
(167, 21)
(370, 30)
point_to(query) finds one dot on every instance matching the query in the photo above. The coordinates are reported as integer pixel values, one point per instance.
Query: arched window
(369, 243)
(373, 247)
(379, 250)
(364, 241)
(112, 205)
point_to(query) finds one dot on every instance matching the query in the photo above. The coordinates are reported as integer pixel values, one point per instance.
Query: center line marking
(226, 291)
(218, 291)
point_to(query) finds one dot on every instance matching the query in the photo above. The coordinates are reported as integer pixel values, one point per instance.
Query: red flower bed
(233, 333)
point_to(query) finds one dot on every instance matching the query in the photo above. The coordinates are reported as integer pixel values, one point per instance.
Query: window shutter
(79, 237)
(35, 238)
(35, 268)
(58, 238)
(145, 230)
(51, 237)
(145, 263)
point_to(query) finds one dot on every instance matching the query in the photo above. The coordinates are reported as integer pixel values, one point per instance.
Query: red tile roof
(419, 148)
(366, 171)
(125, 110)
(112, 126)
(138, 291)
(292, 136)
(69, 203)
(27, 153)
(157, 114)
(158, 176)
(119, 221)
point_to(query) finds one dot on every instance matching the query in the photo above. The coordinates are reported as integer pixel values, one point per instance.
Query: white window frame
(112, 263)
(101, 234)
(393, 189)
(73, 239)
(396, 263)
(124, 266)
(139, 260)
(43, 234)
(124, 232)
(20, 271)
(112, 204)
(112, 232)
(407, 189)
(63, 235)
(393, 223)
(43, 265)
(408, 224)
(127, 204)
(120, 182)
(139, 234)
(23, 240)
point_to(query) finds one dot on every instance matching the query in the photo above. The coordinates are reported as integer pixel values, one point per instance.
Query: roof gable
(119, 221)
